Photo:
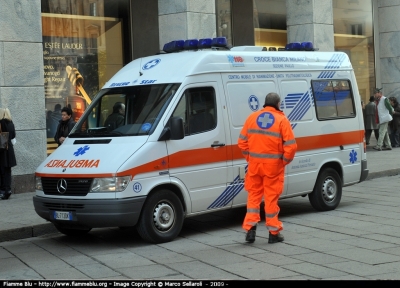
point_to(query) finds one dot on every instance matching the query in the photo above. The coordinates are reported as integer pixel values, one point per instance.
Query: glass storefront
(82, 49)
(353, 28)
(224, 19)
(270, 23)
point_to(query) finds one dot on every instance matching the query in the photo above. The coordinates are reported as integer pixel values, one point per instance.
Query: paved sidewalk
(19, 220)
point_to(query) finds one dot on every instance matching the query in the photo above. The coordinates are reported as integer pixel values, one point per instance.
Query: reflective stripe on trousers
(262, 180)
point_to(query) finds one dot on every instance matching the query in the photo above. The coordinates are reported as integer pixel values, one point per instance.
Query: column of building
(311, 20)
(387, 44)
(186, 19)
(21, 85)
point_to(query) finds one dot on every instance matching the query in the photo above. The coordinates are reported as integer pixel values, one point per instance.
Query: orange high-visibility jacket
(267, 137)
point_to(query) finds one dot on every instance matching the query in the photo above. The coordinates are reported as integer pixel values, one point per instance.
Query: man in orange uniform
(268, 144)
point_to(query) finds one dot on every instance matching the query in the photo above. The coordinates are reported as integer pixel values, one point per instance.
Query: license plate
(60, 215)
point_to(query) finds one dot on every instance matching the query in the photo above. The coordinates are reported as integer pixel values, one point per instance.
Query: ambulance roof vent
(249, 48)
(194, 44)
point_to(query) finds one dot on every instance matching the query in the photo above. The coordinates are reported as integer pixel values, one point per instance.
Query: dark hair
(117, 106)
(57, 107)
(395, 102)
(67, 110)
(272, 99)
(372, 99)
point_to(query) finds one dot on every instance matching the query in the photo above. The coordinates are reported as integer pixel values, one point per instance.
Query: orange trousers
(263, 180)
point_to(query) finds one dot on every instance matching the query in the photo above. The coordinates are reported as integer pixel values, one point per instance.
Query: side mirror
(174, 131)
(177, 129)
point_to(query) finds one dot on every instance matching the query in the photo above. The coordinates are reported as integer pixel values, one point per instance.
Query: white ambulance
(175, 155)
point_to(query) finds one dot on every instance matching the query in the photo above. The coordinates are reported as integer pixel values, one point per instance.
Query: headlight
(38, 183)
(112, 184)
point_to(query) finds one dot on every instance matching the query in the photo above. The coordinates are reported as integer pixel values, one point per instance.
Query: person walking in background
(370, 120)
(384, 111)
(65, 125)
(395, 124)
(268, 144)
(7, 157)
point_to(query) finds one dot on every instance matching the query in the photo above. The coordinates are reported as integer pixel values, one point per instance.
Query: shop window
(82, 50)
(353, 32)
(270, 28)
(224, 20)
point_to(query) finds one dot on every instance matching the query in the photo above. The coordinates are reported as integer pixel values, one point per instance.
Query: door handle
(217, 144)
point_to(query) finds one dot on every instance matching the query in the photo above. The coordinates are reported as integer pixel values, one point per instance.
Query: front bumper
(91, 213)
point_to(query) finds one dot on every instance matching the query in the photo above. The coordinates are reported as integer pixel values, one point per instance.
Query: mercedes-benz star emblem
(62, 186)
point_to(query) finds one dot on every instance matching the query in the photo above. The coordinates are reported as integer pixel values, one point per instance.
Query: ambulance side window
(197, 108)
(333, 99)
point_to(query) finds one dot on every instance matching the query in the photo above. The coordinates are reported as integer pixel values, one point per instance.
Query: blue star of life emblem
(353, 156)
(253, 103)
(231, 59)
(151, 64)
(265, 120)
(81, 150)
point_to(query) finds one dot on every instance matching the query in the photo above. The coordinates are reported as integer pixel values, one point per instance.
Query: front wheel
(327, 191)
(162, 217)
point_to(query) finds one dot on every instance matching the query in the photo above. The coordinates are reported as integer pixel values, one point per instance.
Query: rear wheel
(162, 217)
(327, 191)
(72, 231)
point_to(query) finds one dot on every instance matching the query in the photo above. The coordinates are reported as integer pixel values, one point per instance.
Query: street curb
(391, 172)
(27, 232)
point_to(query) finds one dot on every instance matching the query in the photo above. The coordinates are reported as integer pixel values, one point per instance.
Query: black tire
(162, 217)
(327, 191)
(72, 231)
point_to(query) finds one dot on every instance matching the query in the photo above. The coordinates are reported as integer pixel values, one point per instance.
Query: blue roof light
(307, 46)
(190, 44)
(295, 46)
(204, 43)
(174, 46)
(219, 42)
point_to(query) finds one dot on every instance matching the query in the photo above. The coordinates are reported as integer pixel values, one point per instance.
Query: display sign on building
(62, 57)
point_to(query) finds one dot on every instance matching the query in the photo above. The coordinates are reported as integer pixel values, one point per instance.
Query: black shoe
(2, 193)
(275, 238)
(6, 195)
(251, 235)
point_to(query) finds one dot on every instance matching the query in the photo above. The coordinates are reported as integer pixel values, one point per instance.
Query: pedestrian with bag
(268, 144)
(7, 155)
(383, 117)
(65, 125)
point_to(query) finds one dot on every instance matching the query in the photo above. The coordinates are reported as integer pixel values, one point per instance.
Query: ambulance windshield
(125, 111)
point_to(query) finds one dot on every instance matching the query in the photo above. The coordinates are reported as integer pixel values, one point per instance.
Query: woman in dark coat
(65, 125)
(7, 157)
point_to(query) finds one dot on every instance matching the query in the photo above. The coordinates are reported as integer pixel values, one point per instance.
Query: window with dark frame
(197, 108)
(333, 99)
